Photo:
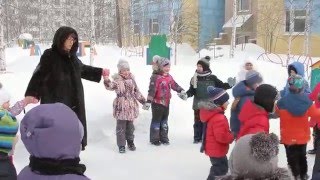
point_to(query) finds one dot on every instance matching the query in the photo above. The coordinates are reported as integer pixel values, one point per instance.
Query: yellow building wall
(270, 19)
(271, 33)
(190, 19)
(297, 47)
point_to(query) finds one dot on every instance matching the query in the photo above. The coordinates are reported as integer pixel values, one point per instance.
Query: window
(299, 22)
(136, 27)
(153, 26)
(244, 5)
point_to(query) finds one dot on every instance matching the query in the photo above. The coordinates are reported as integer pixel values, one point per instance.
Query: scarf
(202, 74)
(48, 166)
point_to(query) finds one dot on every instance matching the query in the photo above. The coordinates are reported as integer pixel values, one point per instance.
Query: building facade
(211, 20)
(299, 34)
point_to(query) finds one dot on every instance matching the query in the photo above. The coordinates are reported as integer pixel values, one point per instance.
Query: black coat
(200, 93)
(57, 78)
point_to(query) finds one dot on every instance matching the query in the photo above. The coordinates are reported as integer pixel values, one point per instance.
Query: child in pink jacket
(125, 105)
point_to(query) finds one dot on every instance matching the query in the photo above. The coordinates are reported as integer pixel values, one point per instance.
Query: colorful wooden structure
(315, 74)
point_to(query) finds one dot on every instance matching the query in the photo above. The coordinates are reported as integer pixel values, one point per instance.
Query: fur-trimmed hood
(60, 37)
(255, 157)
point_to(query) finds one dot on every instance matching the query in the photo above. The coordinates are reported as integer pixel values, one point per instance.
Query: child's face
(124, 72)
(248, 66)
(199, 68)
(6, 105)
(292, 73)
(166, 69)
(225, 105)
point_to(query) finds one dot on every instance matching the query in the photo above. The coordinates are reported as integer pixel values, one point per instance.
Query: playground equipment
(82, 46)
(157, 46)
(315, 74)
(35, 50)
(25, 40)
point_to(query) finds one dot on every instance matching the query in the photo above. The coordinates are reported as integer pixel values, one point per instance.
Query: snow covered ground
(181, 160)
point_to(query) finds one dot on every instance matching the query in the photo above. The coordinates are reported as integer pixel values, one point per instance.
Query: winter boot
(122, 149)
(197, 141)
(165, 142)
(131, 145)
(304, 177)
(156, 143)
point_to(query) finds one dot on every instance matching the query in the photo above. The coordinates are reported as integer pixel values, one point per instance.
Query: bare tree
(2, 45)
(270, 22)
(234, 28)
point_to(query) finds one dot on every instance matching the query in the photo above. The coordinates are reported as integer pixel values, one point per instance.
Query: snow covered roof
(25, 36)
(239, 21)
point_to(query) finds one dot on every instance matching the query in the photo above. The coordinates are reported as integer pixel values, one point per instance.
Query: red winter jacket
(314, 97)
(253, 119)
(218, 134)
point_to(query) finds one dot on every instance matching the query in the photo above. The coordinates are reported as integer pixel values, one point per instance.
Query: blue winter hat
(253, 77)
(217, 95)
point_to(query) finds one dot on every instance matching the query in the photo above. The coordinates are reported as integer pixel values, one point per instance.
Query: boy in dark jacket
(203, 78)
(217, 135)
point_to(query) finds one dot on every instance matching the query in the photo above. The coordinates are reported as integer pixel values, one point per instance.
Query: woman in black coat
(57, 77)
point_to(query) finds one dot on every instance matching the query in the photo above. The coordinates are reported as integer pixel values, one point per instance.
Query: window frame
(296, 18)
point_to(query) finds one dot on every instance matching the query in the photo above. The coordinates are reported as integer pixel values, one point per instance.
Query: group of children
(125, 105)
(254, 103)
(251, 110)
(249, 123)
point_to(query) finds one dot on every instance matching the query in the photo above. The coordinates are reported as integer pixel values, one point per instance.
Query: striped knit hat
(8, 130)
(217, 95)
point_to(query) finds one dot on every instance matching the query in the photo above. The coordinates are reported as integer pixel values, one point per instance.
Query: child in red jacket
(315, 96)
(217, 135)
(254, 115)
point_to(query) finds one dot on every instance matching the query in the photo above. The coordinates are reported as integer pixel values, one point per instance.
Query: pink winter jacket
(160, 88)
(125, 106)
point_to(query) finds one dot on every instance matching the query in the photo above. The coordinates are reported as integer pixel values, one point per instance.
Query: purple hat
(52, 131)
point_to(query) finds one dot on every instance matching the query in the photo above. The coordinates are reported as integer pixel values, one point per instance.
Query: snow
(25, 36)
(181, 159)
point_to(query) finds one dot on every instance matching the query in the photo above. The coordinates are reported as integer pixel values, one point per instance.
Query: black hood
(61, 35)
